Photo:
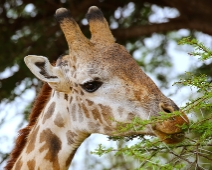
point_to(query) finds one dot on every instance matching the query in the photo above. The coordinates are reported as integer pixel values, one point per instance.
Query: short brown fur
(21, 141)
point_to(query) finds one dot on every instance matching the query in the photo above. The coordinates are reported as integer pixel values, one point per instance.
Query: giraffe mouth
(169, 138)
(170, 131)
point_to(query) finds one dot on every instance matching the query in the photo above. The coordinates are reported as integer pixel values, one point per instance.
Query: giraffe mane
(21, 141)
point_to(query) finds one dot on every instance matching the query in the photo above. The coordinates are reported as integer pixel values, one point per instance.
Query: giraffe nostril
(165, 108)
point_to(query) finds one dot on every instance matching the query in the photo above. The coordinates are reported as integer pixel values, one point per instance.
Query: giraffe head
(103, 83)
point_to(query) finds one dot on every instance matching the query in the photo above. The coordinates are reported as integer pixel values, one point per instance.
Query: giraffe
(83, 93)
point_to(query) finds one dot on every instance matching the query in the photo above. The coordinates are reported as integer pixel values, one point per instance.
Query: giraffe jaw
(164, 137)
(166, 134)
(170, 138)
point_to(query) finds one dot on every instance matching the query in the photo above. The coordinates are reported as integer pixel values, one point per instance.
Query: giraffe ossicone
(96, 83)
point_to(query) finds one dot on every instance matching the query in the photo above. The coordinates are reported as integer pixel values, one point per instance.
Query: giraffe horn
(74, 36)
(99, 28)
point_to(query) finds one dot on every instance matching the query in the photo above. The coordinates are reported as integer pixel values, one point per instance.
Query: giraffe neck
(52, 141)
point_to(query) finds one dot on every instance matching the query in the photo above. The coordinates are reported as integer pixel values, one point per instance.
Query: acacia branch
(144, 30)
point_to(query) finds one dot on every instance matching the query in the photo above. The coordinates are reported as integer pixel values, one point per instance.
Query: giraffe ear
(43, 70)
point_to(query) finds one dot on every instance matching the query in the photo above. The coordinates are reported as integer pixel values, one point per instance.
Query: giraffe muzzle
(170, 131)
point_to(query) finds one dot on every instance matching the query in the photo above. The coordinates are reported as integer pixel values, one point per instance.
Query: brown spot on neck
(70, 137)
(31, 164)
(73, 112)
(94, 127)
(21, 141)
(32, 140)
(19, 164)
(59, 121)
(52, 144)
(49, 112)
(70, 158)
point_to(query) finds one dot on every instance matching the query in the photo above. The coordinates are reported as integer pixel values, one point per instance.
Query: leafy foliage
(200, 50)
(196, 150)
(28, 27)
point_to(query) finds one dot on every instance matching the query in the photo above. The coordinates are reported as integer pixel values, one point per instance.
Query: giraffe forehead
(113, 59)
(109, 64)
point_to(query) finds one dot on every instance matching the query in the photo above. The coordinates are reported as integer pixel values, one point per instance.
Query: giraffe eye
(91, 86)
